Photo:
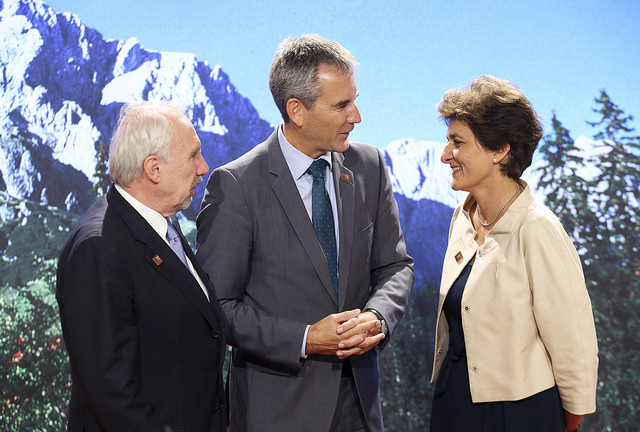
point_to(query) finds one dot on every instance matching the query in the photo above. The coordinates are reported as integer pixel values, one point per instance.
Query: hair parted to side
(294, 71)
(497, 113)
(144, 128)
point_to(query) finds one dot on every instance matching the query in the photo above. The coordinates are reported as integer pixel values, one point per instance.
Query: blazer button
(336, 367)
(214, 334)
(439, 351)
(217, 409)
(475, 369)
(466, 308)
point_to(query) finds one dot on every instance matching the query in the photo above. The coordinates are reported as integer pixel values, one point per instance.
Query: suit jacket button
(335, 367)
(214, 334)
(439, 351)
(217, 409)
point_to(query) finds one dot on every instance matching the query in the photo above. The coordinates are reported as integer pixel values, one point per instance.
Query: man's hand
(362, 334)
(344, 334)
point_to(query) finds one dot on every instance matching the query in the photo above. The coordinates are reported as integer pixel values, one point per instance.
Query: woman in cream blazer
(516, 346)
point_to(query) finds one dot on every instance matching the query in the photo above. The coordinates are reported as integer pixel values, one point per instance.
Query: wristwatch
(383, 323)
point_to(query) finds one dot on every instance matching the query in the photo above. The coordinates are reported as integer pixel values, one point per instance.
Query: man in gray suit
(306, 301)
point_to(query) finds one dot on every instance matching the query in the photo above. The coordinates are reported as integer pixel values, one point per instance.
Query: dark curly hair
(497, 113)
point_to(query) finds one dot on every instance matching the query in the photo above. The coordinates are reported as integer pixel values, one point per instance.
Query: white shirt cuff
(303, 353)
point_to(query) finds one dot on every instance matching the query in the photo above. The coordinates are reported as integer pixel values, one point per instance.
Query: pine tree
(614, 269)
(101, 177)
(617, 186)
(600, 213)
(566, 191)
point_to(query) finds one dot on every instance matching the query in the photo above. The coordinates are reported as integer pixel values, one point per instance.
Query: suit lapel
(345, 191)
(198, 268)
(286, 192)
(196, 295)
(162, 258)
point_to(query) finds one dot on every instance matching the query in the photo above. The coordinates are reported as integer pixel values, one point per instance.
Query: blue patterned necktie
(323, 217)
(174, 241)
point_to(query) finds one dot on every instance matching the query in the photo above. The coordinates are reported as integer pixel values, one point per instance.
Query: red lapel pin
(156, 259)
(458, 257)
(345, 178)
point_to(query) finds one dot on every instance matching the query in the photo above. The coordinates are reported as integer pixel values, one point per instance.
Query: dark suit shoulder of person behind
(145, 336)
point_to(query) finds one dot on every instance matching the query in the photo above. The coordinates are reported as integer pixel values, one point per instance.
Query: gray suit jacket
(258, 246)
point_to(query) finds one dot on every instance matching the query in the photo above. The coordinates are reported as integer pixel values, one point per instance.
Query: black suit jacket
(146, 347)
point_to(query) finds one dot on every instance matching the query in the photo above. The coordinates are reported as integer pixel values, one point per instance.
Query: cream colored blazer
(526, 313)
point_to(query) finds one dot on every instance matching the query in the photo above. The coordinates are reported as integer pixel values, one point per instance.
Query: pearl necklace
(499, 211)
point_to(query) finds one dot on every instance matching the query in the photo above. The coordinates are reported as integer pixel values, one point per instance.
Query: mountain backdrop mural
(61, 87)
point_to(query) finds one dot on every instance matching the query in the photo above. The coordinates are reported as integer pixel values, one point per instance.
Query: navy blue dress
(453, 410)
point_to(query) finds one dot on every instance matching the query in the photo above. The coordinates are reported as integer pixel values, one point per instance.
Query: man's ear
(295, 110)
(151, 168)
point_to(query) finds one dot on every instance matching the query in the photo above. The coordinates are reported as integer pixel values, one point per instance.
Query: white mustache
(197, 181)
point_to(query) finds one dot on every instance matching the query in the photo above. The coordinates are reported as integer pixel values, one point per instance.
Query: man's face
(186, 167)
(327, 124)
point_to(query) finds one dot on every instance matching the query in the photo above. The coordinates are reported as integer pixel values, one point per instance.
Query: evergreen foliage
(35, 377)
(405, 364)
(566, 191)
(101, 179)
(601, 213)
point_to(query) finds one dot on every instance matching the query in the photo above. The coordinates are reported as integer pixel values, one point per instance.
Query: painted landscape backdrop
(61, 86)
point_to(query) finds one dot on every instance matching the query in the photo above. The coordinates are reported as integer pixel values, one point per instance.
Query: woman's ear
(500, 155)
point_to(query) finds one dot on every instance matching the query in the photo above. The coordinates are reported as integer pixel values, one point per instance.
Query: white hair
(144, 128)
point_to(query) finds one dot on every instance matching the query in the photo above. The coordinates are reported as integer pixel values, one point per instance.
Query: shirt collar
(153, 218)
(297, 161)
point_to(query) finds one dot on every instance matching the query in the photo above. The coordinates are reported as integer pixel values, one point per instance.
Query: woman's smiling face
(470, 162)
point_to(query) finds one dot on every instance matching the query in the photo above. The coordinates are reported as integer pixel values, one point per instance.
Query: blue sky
(560, 53)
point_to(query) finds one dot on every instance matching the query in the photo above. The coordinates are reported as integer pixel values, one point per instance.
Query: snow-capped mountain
(62, 84)
(417, 172)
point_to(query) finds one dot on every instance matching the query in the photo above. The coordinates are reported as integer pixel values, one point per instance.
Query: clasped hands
(344, 334)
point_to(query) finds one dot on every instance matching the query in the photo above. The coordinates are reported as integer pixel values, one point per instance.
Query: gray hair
(144, 128)
(294, 71)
